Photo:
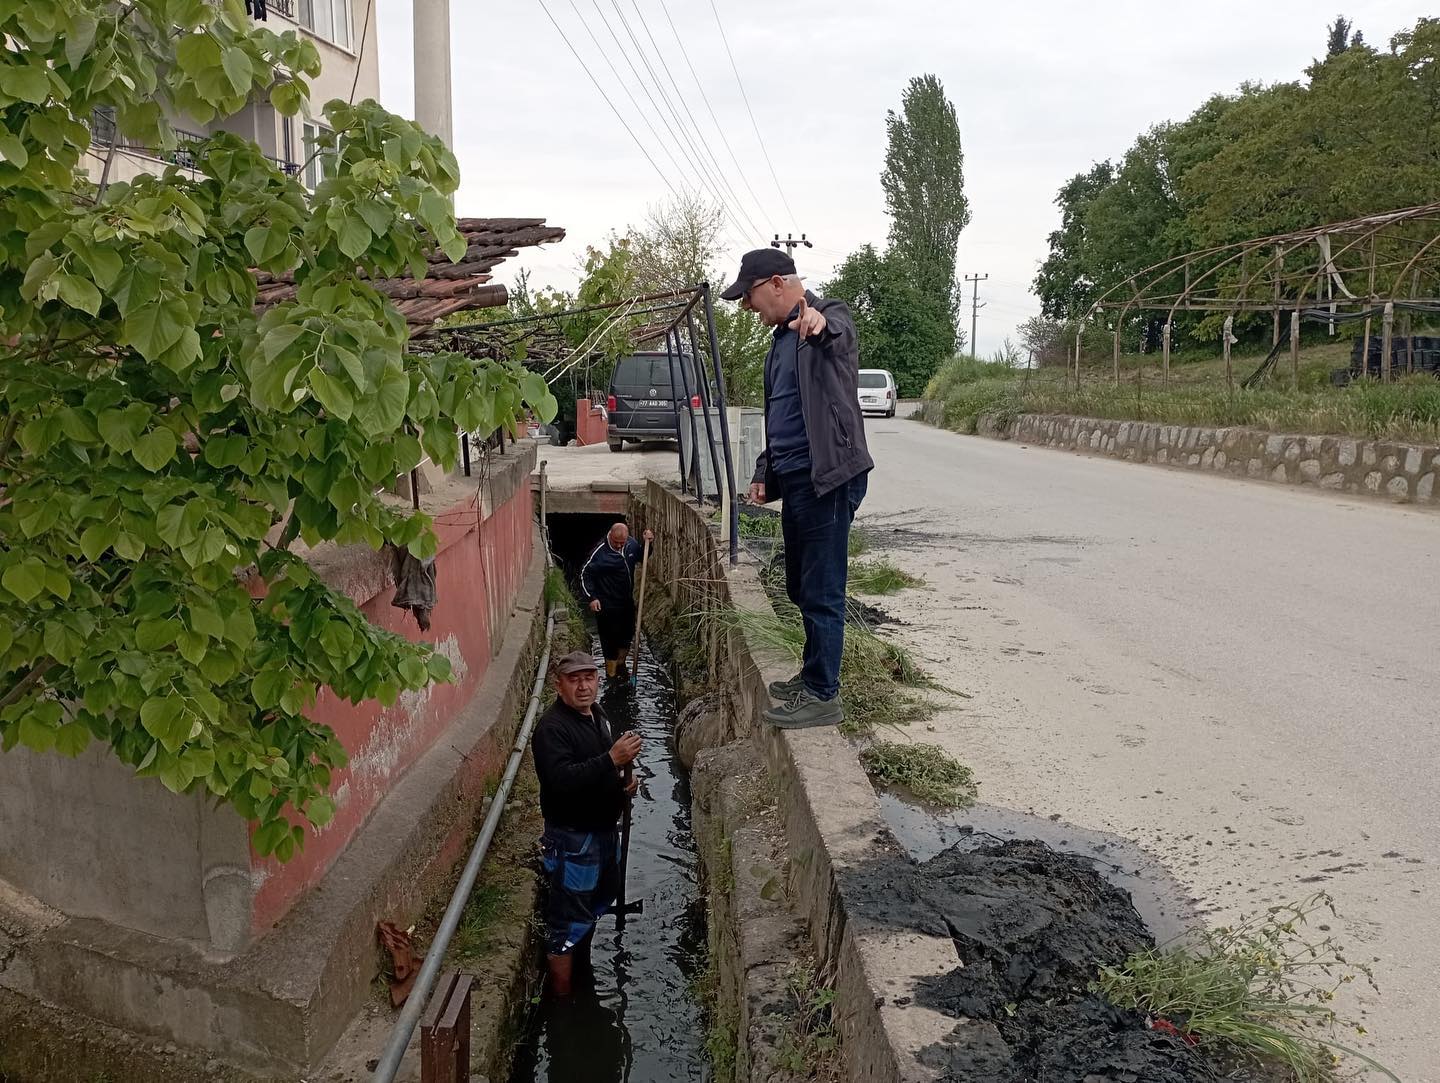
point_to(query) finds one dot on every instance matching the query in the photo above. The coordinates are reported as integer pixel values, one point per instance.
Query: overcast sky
(1042, 89)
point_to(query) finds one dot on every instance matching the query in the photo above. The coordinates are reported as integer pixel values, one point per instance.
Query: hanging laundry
(414, 584)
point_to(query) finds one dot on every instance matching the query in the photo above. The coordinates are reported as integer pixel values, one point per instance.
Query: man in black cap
(585, 780)
(815, 461)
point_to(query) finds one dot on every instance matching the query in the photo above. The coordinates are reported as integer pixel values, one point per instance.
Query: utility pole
(975, 307)
(790, 242)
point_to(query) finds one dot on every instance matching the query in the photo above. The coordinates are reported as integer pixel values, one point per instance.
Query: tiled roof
(447, 287)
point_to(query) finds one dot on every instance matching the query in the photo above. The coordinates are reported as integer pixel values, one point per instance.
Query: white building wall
(356, 65)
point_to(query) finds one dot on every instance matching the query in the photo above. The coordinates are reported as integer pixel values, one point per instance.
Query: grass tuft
(1259, 988)
(880, 576)
(926, 771)
(759, 526)
(810, 1045)
(877, 675)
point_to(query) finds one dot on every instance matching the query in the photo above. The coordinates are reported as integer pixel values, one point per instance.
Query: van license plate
(655, 402)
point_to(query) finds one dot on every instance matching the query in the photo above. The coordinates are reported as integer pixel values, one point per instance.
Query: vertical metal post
(465, 451)
(675, 402)
(1165, 355)
(724, 423)
(1117, 353)
(1410, 325)
(1387, 329)
(1226, 336)
(1295, 350)
(698, 474)
(1370, 298)
(1275, 314)
(1079, 330)
(704, 396)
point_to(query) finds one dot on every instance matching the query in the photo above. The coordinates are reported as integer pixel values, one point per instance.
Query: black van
(642, 401)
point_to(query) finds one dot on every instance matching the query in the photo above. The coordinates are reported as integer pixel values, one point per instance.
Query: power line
(623, 86)
(758, 138)
(695, 161)
(658, 172)
(719, 128)
(694, 124)
(700, 185)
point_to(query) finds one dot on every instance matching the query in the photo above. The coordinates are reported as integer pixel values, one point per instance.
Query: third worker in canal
(607, 585)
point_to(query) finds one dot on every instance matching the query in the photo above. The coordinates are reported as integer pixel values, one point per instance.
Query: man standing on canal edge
(585, 780)
(607, 585)
(815, 462)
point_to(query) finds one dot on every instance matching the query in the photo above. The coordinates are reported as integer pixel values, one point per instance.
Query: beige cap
(576, 662)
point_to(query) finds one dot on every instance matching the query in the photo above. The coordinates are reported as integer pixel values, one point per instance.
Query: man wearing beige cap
(585, 780)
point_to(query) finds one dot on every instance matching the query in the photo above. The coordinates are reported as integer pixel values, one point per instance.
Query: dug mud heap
(607, 584)
(585, 778)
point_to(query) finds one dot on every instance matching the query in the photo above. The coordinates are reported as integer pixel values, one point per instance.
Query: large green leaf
(28, 82)
(155, 449)
(332, 393)
(25, 580)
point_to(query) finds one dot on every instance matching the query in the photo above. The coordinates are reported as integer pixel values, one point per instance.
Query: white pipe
(435, 957)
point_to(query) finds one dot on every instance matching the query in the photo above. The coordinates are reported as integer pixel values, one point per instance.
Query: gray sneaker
(803, 710)
(780, 691)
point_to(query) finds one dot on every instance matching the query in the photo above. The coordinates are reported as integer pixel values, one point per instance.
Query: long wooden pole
(640, 612)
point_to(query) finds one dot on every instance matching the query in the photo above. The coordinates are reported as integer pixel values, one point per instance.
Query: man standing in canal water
(607, 585)
(815, 461)
(585, 780)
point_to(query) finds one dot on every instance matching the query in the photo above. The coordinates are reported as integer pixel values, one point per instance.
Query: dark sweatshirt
(580, 786)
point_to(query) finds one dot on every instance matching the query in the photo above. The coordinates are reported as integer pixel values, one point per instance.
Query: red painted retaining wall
(480, 565)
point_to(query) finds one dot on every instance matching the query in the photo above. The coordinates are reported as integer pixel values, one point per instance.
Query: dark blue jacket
(609, 574)
(827, 367)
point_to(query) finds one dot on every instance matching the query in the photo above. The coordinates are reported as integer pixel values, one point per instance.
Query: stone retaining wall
(836, 846)
(1343, 464)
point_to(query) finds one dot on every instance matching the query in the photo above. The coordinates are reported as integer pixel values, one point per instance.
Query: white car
(878, 393)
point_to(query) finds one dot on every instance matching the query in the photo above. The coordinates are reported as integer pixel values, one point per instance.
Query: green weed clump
(926, 771)
(1260, 988)
(880, 576)
(810, 1044)
(877, 676)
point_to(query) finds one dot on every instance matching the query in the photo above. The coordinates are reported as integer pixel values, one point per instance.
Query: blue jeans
(816, 530)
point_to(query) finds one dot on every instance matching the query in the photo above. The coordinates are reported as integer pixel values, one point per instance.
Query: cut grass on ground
(1261, 988)
(926, 771)
(880, 576)
(1406, 410)
(879, 687)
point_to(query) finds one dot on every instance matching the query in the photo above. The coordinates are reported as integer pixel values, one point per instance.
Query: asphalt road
(1244, 678)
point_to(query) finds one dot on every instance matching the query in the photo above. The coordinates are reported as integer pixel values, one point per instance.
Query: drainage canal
(635, 1017)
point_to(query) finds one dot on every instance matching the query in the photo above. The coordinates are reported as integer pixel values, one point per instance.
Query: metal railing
(284, 7)
(105, 133)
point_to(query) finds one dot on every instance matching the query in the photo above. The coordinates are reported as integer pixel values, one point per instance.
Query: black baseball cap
(756, 265)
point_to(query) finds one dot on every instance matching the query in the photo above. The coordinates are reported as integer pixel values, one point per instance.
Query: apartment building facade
(344, 32)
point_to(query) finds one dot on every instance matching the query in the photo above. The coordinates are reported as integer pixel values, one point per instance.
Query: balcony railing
(103, 132)
(284, 7)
